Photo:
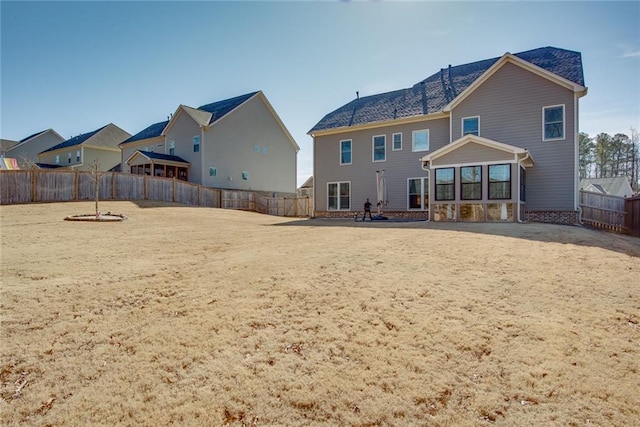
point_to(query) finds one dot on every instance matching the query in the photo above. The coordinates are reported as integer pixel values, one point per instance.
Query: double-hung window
(57, 159)
(445, 184)
(500, 181)
(345, 152)
(471, 126)
(172, 148)
(471, 183)
(338, 196)
(69, 157)
(78, 156)
(397, 141)
(379, 145)
(196, 143)
(420, 140)
(553, 122)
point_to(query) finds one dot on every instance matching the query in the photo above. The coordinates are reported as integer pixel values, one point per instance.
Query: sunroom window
(500, 181)
(445, 184)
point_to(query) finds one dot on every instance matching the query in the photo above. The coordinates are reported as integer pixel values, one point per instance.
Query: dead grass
(199, 316)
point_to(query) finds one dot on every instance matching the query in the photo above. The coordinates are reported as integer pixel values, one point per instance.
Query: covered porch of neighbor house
(156, 164)
(477, 179)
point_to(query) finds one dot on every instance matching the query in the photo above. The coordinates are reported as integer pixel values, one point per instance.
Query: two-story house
(493, 140)
(26, 150)
(81, 151)
(238, 143)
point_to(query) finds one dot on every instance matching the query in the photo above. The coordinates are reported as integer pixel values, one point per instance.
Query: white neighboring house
(238, 143)
(616, 186)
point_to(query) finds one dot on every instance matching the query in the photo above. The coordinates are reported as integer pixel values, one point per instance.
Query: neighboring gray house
(616, 186)
(81, 151)
(493, 140)
(26, 150)
(238, 143)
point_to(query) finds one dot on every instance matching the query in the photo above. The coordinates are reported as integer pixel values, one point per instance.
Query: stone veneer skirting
(553, 217)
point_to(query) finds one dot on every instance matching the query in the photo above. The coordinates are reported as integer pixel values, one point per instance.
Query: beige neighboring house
(238, 143)
(26, 150)
(81, 151)
(617, 186)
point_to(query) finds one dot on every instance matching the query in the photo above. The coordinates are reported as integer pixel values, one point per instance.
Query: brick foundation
(553, 217)
(408, 215)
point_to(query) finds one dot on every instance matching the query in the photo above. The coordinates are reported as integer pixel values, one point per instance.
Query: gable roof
(436, 92)
(613, 185)
(518, 152)
(76, 140)
(221, 108)
(105, 139)
(150, 132)
(150, 155)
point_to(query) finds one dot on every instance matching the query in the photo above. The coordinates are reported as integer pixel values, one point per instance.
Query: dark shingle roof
(150, 132)
(221, 108)
(436, 91)
(34, 135)
(76, 140)
(160, 156)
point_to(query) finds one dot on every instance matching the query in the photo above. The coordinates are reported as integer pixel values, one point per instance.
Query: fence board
(603, 211)
(51, 186)
(632, 207)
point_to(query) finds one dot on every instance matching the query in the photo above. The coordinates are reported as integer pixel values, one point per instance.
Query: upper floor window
(69, 157)
(471, 126)
(213, 171)
(553, 122)
(500, 181)
(471, 183)
(345, 152)
(397, 141)
(379, 148)
(420, 140)
(172, 148)
(445, 184)
(245, 175)
(196, 143)
(57, 159)
(78, 156)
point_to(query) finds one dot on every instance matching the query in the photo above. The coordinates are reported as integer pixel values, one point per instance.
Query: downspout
(576, 171)
(426, 168)
(201, 155)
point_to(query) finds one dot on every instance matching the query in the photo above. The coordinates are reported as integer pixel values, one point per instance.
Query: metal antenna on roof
(357, 95)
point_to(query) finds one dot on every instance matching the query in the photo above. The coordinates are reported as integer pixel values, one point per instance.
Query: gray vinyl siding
(27, 152)
(473, 153)
(510, 106)
(155, 144)
(230, 147)
(182, 131)
(399, 165)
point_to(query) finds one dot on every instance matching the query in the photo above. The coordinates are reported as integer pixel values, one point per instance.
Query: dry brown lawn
(196, 316)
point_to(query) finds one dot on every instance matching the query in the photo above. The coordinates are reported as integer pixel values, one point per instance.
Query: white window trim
(564, 123)
(340, 149)
(373, 148)
(462, 125)
(393, 146)
(338, 184)
(424, 181)
(413, 140)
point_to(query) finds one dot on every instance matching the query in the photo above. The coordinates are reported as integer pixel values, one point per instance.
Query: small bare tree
(95, 173)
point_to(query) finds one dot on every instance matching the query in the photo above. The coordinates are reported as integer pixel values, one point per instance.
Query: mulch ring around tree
(99, 217)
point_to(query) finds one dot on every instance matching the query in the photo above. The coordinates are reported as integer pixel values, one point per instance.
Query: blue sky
(76, 66)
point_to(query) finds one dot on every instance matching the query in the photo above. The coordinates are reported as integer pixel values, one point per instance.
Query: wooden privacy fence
(29, 186)
(604, 211)
(632, 207)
